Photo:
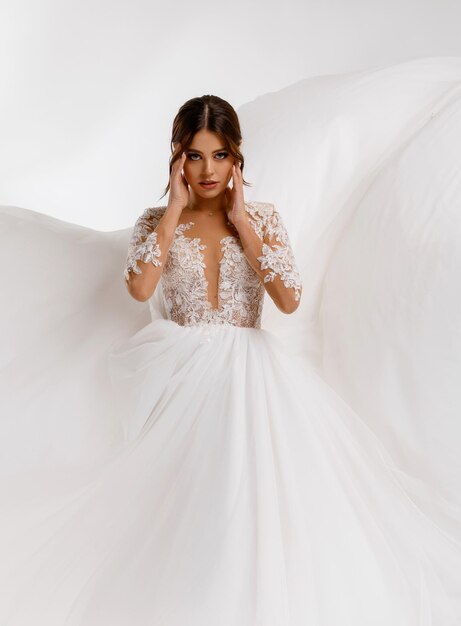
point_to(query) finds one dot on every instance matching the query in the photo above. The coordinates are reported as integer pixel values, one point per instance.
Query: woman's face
(207, 159)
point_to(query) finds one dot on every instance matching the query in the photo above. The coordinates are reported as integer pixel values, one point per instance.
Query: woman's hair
(211, 113)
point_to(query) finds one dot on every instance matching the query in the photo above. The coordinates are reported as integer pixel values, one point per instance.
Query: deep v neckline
(179, 231)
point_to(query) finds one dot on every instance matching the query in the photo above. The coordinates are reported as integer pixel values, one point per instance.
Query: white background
(90, 89)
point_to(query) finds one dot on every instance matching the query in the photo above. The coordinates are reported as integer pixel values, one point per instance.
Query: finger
(184, 180)
(177, 168)
(180, 162)
(237, 176)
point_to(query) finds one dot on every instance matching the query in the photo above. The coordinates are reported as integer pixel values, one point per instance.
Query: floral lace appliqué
(277, 254)
(184, 285)
(143, 244)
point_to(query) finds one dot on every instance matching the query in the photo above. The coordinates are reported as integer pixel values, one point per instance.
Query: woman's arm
(268, 250)
(151, 239)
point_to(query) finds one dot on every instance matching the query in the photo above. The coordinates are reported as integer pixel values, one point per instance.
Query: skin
(189, 202)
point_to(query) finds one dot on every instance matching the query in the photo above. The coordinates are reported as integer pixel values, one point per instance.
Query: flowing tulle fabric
(367, 169)
(154, 474)
(251, 495)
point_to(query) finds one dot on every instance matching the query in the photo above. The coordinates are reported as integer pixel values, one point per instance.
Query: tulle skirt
(246, 492)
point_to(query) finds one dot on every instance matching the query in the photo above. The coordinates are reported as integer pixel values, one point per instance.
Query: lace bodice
(183, 283)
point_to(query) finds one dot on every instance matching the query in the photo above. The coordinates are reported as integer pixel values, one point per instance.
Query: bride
(247, 492)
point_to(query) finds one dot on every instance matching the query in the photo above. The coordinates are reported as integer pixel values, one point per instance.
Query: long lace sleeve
(276, 254)
(143, 244)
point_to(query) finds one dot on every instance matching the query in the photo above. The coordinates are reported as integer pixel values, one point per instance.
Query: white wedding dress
(174, 464)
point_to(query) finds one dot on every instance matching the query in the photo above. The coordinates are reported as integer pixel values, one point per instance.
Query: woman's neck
(207, 205)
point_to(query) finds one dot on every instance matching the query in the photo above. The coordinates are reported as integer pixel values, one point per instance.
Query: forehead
(206, 141)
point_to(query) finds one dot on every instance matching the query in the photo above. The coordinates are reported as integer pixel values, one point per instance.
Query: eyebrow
(194, 150)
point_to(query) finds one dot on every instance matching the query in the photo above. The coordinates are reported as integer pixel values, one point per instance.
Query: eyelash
(196, 154)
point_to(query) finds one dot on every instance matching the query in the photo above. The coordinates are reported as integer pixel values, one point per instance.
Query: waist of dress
(210, 329)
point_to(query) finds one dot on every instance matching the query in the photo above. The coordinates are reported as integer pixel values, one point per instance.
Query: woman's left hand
(235, 201)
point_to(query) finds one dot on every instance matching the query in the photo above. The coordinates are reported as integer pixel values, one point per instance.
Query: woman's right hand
(179, 189)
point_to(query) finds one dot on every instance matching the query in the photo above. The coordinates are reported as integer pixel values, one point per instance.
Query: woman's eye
(194, 154)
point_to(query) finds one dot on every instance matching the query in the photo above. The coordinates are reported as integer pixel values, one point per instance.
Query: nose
(208, 169)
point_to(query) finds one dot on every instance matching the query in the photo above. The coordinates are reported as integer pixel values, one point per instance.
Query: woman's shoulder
(151, 215)
(259, 209)
(264, 217)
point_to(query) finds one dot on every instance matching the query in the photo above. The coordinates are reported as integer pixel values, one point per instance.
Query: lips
(208, 182)
(209, 185)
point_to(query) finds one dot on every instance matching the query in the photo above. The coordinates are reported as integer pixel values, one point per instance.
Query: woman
(248, 493)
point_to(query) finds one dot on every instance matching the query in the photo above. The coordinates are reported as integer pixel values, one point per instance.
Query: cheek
(226, 169)
(190, 171)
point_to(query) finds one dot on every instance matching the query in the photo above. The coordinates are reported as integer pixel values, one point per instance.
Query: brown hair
(211, 113)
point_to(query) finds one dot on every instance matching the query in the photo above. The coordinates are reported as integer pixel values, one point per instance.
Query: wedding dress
(248, 492)
(171, 463)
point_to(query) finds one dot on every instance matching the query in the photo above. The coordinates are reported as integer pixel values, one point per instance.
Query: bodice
(185, 286)
(240, 290)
